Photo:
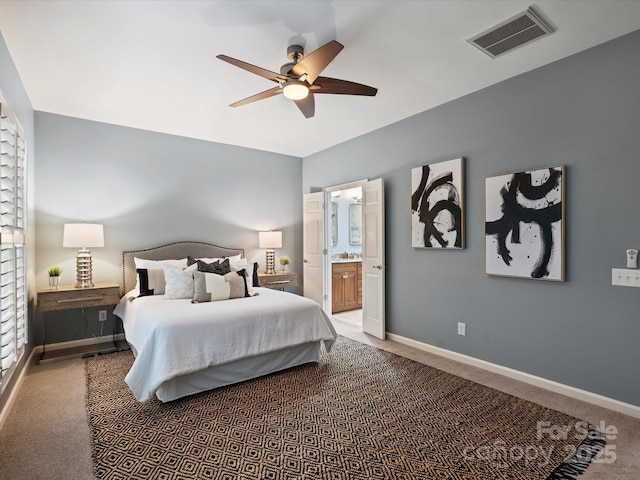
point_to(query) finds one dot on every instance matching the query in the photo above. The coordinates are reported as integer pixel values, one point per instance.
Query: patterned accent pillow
(210, 287)
(217, 267)
(191, 260)
(151, 281)
(243, 274)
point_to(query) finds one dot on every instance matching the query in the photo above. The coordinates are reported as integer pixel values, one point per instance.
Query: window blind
(13, 271)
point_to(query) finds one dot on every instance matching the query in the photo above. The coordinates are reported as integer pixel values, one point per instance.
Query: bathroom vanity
(346, 285)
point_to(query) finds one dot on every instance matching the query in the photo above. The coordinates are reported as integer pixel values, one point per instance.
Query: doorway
(317, 245)
(345, 255)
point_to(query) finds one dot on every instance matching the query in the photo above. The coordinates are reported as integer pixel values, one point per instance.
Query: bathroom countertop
(347, 260)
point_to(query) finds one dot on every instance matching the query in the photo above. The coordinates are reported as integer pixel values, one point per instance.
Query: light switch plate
(625, 277)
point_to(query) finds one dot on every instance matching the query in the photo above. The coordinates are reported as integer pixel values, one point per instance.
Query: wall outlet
(462, 329)
(102, 315)
(625, 277)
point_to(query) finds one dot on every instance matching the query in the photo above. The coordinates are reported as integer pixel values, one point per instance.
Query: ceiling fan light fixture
(300, 79)
(295, 90)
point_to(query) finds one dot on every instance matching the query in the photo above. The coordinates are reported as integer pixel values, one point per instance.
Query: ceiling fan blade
(269, 75)
(258, 96)
(314, 63)
(342, 87)
(307, 105)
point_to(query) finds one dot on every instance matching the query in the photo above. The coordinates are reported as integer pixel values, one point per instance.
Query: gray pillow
(217, 267)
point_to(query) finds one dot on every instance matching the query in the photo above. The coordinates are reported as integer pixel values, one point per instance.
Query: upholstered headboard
(171, 251)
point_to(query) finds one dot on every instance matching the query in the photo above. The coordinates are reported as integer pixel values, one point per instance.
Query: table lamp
(270, 240)
(83, 235)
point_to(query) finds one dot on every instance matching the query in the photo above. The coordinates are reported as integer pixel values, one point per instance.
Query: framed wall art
(524, 224)
(437, 205)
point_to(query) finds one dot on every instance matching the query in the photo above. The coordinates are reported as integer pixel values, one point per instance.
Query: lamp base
(271, 261)
(84, 269)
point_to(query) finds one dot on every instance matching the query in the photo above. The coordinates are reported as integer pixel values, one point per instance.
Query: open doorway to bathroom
(346, 255)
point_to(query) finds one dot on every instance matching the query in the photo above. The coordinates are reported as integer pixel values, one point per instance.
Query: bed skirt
(238, 371)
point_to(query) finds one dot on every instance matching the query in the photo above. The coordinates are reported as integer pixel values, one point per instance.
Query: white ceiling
(151, 64)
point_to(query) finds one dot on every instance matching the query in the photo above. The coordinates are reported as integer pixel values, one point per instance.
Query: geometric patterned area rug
(361, 413)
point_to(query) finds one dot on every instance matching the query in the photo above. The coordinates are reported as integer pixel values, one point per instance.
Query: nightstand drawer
(68, 297)
(278, 280)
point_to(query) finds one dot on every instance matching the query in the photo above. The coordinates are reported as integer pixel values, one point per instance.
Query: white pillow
(238, 263)
(144, 263)
(179, 282)
(191, 268)
(153, 264)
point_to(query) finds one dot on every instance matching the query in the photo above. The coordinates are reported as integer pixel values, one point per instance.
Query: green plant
(54, 271)
(284, 260)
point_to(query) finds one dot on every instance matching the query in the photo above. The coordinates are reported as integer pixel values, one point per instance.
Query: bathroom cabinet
(346, 286)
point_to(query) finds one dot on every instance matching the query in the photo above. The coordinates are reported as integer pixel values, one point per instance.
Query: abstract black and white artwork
(437, 203)
(524, 229)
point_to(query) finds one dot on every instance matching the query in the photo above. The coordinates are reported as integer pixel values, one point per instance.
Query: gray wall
(148, 189)
(581, 112)
(14, 92)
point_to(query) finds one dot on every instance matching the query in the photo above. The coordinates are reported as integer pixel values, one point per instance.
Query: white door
(313, 246)
(373, 267)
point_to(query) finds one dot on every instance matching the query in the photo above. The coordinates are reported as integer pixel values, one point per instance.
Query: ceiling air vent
(511, 33)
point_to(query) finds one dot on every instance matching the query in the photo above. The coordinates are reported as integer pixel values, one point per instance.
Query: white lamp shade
(79, 235)
(270, 239)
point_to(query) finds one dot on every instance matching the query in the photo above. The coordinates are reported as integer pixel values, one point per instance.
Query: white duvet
(177, 337)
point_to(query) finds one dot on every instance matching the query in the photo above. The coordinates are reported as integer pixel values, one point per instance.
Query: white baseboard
(79, 343)
(584, 395)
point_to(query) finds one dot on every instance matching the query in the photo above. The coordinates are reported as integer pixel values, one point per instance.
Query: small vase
(283, 267)
(53, 283)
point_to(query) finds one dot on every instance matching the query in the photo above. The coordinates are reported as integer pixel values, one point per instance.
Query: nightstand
(277, 280)
(67, 297)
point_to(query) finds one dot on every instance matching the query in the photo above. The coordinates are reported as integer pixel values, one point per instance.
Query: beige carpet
(362, 413)
(46, 436)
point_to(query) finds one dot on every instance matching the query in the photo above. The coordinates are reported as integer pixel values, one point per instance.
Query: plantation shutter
(13, 271)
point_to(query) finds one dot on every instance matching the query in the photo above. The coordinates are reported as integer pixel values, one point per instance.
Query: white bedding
(176, 337)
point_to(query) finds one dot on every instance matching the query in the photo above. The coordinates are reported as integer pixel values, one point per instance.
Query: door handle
(305, 260)
(379, 267)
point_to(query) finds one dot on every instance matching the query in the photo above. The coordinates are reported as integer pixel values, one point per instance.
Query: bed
(182, 348)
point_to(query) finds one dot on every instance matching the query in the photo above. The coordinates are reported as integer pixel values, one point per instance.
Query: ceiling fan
(299, 80)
